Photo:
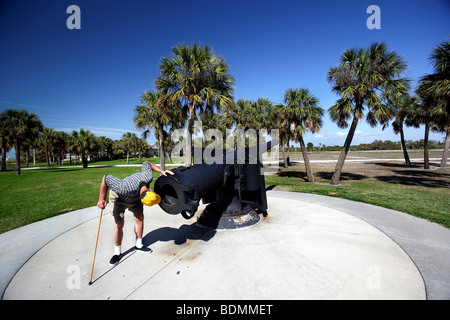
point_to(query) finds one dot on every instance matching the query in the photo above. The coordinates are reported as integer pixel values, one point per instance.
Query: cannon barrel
(239, 171)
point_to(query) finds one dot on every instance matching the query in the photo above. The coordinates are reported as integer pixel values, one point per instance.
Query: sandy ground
(375, 164)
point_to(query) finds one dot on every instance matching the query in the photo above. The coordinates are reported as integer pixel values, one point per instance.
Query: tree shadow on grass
(293, 174)
(411, 178)
(414, 175)
(61, 169)
(345, 176)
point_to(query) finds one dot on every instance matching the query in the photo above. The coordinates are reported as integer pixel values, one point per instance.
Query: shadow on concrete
(179, 236)
(124, 256)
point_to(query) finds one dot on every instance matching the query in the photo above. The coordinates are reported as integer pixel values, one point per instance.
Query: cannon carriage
(233, 189)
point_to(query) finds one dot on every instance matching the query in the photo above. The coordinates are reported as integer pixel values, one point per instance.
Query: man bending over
(129, 193)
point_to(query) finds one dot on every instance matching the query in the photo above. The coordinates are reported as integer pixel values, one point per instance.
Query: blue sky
(92, 78)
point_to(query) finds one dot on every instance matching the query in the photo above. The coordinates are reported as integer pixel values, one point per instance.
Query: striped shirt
(128, 188)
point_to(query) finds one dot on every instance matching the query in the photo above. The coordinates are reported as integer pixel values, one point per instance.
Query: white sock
(139, 243)
(117, 250)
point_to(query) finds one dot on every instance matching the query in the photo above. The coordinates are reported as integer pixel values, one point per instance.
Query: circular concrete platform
(301, 250)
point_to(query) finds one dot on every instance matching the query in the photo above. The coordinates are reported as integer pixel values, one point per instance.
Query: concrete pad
(302, 250)
(20, 244)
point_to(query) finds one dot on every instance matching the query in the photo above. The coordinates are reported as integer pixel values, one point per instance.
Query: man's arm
(102, 195)
(157, 169)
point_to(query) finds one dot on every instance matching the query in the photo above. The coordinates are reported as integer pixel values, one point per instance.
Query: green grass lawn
(42, 193)
(132, 161)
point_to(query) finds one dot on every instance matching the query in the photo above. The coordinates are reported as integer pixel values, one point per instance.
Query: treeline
(377, 145)
(35, 143)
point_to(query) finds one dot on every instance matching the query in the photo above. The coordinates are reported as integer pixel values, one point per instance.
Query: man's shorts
(118, 207)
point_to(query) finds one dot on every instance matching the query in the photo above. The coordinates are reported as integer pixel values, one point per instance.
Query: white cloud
(341, 134)
(113, 133)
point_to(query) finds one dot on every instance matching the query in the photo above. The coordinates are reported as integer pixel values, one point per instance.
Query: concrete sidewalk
(310, 247)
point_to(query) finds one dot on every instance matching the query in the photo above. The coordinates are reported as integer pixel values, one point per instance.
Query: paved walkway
(310, 247)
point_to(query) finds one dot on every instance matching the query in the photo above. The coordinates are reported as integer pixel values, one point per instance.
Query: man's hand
(101, 204)
(165, 172)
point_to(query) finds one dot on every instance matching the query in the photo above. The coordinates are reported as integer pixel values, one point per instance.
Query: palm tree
(234, 114)
(129, 143)
(198, 78)
(108, 145)
(434, 89)
(117, 148)
(402, 106)
(101, 146)
(74, 145)
(5, 148)
(60, 145)
(303, 114)
(153, 114)
(84, 144)
(216, 121)
(281, 122)
(249, 114)
(364, 78)
(141, 147)
(47, 138)
(22, 125)
(5, 133)
(433, 114)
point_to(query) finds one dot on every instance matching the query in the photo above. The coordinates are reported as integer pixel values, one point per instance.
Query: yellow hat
(149, 198)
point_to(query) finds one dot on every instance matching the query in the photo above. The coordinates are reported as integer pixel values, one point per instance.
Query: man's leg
(118, 236)
(139, 226)
(117, 211)
(138, 211)
(118, 232)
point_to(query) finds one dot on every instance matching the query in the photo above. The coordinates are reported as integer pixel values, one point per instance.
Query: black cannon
(233, 188)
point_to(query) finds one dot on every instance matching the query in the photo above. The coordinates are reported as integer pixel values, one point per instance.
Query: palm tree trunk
(426, 159)
(288, 158)
(309, 172)
(128, 156)
(47, 155)
(405, 151)
(162, 159)
(189, 139)
(27, 157)
(284, 156)
(340, 164)
(446, 147)
(84, 160)
(17, 166)
(4, 154)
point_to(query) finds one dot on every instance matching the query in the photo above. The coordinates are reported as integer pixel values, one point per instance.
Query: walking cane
(96, 241)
